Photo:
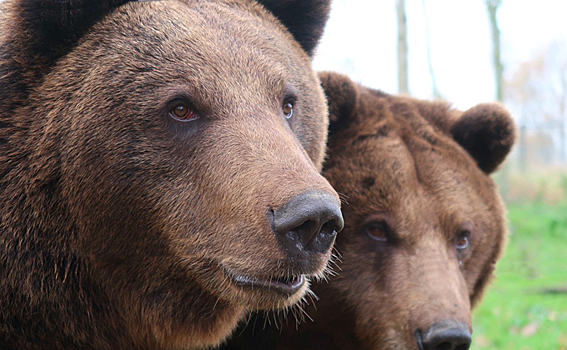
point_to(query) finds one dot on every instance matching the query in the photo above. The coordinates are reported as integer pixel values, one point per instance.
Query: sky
(361, 37)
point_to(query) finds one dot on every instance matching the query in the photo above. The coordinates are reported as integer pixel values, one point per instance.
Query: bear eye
(378, 231)
(183, 112)
(287, 109)
(463, 241)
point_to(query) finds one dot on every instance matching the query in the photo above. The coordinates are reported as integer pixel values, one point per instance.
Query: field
(525, 308)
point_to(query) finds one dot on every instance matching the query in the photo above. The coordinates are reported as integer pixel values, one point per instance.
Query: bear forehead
(405, 174)
(216, 49)
(396, 161)
(406, 159)
(230, 31)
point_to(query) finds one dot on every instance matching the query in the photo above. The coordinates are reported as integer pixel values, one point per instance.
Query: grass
(525, 308)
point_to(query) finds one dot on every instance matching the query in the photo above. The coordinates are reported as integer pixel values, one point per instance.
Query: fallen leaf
(481, 341)
(529, 330)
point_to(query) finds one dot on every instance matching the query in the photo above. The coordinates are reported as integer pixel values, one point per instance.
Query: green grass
(526, 305)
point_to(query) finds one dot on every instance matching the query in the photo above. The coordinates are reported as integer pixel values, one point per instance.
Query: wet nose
(447, 336)
(308, 223)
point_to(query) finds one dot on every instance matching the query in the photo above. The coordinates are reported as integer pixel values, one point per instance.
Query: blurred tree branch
(403, 86)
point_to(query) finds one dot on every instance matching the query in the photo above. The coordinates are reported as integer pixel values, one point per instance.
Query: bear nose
(308, 223)
(448, 335)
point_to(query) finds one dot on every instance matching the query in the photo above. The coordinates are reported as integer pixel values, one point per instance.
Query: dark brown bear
(424, 224)
(158, 169)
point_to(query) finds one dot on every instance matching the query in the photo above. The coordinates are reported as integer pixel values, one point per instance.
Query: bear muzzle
(305, 228)
(306, 225)
(446, 335)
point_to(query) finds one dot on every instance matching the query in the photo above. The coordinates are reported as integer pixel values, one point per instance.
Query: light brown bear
(424, 224)
(158, 169)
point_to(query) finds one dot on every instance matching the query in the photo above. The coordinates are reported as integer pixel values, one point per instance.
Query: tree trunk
(436, 93)
(523, 149)
(492, 7)
(563, 117)
(503, 178)
(402, 48)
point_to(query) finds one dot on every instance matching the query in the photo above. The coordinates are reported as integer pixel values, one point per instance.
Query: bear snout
(307, 224)
(446, 335)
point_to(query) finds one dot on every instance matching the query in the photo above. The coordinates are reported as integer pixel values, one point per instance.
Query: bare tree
(538, 91)
(436, 92)
(403, 85)
(563, 112)
(492, 7)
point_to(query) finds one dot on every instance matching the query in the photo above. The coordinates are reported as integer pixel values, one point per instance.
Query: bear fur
(142, 146)
(424, 224)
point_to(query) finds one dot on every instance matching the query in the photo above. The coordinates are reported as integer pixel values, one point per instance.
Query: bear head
(158, 169)
(424, 222)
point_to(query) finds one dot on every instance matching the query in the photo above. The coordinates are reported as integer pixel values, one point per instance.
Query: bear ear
(342, 98)
(487, 132)
(38, 32)
(305, 19)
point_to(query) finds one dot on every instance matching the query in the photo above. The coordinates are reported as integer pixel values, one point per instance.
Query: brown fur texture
(120, 226)
(415, 178)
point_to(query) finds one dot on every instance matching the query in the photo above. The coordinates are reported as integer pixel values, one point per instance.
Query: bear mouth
(286, 286)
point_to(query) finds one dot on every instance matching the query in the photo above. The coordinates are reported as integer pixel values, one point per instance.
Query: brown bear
(159, 169)
(424, 224)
